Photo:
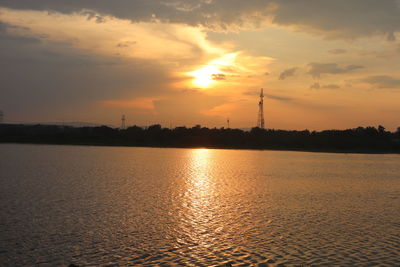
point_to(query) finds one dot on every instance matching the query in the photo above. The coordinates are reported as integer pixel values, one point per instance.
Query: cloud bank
(347, 19)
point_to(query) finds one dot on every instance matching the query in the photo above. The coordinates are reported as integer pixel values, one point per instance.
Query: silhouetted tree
(381, 129)
(360, 139)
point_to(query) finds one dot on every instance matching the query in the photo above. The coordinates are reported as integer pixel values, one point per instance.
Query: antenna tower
(260, 119)
(123, 126)
(1, 116)
(228, 122)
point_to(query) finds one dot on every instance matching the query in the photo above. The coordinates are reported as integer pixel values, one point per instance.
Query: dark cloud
(7, 36)
(331, 86)
(287, 73)
(271, 96)
(42, 78)
(316, 69)
(220, 15)
(333, 19)
(337, 51)
(126, 44)
(341, 18)
(277, 97)
(326, 86)
(90, 15)
(218, 77)
(382, 81)
(315, 86)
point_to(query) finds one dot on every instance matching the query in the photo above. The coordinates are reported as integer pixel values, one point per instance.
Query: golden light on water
(199, 200)
(200, 179)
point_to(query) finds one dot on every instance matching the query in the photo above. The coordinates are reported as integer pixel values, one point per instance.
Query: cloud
(218, 77)
(277, 97)
(331, 86)
(382, 81)
(6, 35)
(146, 103)
(316, 69)
(43, 79)
(93, 15)
(78, 52)
(219, 15)
(59, 62)
(337, 51)
(171, 43)
(126, 44)
(287, 73)
(315, 86)
(326, 86)
(271, 96)
(347, 19)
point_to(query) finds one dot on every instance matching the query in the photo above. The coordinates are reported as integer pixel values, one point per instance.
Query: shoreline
(212, 147)
(359, 140)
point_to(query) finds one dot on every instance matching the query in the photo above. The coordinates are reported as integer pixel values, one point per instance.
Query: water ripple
(99, 206)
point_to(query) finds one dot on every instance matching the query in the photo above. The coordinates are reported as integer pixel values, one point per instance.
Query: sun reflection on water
(200, 172)
(199, 203)
(208, 222)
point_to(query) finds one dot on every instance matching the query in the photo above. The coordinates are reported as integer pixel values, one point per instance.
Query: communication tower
(1, 116)
(123, 119)
(260, 119)
(228, 122)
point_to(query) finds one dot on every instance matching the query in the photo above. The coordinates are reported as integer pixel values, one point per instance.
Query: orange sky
(323, 65)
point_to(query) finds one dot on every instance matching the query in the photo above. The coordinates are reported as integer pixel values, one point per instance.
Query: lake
(152, 206)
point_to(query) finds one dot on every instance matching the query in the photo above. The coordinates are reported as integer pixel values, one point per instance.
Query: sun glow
(213, 71)
(204, 77)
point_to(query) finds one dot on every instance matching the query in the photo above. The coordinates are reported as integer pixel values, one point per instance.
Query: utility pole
(123, 126)
(260, 119)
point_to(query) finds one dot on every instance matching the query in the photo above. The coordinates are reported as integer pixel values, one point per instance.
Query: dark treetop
(363, 140)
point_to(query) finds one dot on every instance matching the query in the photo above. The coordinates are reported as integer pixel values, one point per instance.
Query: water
(148, 206)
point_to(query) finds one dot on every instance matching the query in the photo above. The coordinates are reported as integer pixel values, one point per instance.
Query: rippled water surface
(148, 206)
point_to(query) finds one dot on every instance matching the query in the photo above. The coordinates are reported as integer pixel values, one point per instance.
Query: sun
(204, 77)
(212, 72)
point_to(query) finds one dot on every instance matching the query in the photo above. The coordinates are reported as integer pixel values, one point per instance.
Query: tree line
(361, 139)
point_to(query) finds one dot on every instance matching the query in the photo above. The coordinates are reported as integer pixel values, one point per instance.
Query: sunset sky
(323, 64)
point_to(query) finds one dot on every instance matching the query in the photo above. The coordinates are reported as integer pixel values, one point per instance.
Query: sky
(323, 64)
